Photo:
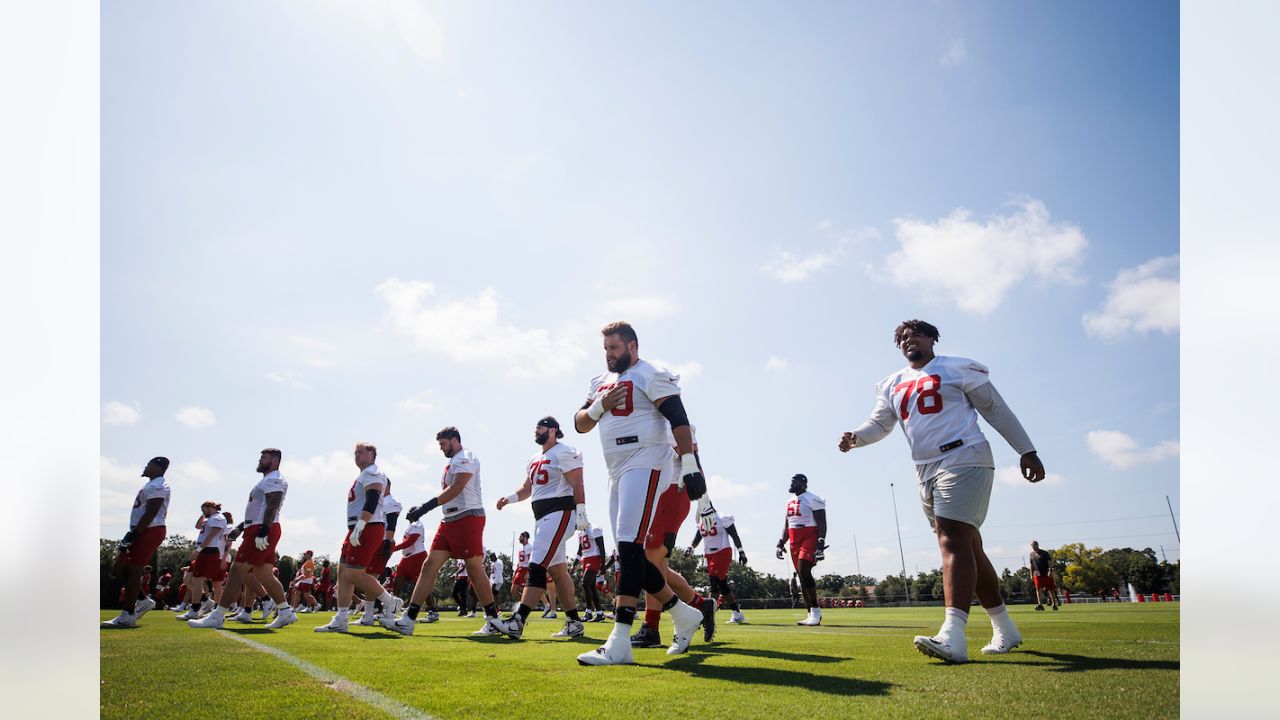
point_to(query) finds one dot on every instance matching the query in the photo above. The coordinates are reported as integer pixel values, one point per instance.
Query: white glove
(596, 410)
(354, 539)
(706, 515)
(583, 524)
(261, 543)
(688, 466)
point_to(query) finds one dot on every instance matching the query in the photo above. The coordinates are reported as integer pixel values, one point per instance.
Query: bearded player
(937, 400)
(806, 529)
(146, 532)
(636, 404)
(591, 550)
(719, 556)
(520, 575)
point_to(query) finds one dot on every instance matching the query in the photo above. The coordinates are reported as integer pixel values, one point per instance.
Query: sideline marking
(395, 708)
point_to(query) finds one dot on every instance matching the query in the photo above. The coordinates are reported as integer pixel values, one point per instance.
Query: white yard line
(392, 707)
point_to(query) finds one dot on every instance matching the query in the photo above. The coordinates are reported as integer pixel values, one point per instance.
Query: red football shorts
(462, 538)
(143, 547)
(377, 563)
(718, 563)
(673, 508)
(595, 562)
(804, 543)
(411, 567)
(1044, 582)
(521, 577)
(248, 552)
(208, 565)
(370, 543)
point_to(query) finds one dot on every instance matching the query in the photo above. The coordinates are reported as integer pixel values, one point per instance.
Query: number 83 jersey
(931, 405)
(635, 423)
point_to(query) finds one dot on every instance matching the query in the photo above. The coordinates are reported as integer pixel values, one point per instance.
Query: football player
(146, 532)
(591, 550)
(719, 555)
(806, 529)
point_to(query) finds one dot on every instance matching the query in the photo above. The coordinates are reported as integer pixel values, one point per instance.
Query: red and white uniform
(553, 505)
(637, 450)
(673, 503)
(461, 531)
(802, 529)
(208, 563)
(387, 505)
(372, 534)
(147, 539)
(460, 570)
(521, 574)
(412, 557)
(717, 547)
(591, 557)
(254, 513)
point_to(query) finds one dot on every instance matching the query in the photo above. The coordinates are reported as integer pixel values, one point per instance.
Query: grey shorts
(960, 494)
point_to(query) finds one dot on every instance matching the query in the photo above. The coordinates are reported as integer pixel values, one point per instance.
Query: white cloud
(199, 471)
(721, 488)
(117, 413)
(424, 400)
(791, 267)
(289, 378)
(775, 364)
(471, 330)
(1012, 475)
(1121, 451)
(975, 264)
(646, 307)
(418, 28)
(686, 370)
(196, 417)
(1141, 300)
(956, 54)
(333, 470)
(113, 474)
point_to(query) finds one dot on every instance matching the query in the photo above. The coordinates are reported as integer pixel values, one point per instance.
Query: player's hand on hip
(846, 442)
(1032, 468)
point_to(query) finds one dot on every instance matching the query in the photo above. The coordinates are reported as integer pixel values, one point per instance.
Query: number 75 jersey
(931, 405)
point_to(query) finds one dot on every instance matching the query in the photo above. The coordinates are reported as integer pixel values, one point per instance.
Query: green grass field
(1085, 661)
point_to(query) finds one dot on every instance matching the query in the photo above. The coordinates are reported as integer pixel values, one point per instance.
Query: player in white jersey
(146, 532)
(206, 557)
(461, 593)
(413, 548)
(937, 401)
(366, 523)
(719, 556)
(806, 529)
(256, 558)
(390, 508)
(554, 481)
(497, 575)
(460, 534)
(635, 404)
(520, 577)
(591, 550)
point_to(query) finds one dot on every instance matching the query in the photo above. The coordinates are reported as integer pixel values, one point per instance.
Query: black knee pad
(537, 576)
(654, 578)
(631, 570)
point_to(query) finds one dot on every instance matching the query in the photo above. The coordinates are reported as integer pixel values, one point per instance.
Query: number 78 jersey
(931, 405)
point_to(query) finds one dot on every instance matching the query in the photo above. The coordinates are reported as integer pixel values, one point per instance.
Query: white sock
(342, 615)
(621, 631)
(387, 599)
(1000, 620)
(218, 610)
(368, 608)
(953, 625)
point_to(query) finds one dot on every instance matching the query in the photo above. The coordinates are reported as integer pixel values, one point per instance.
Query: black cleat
(708, 619)
(646, 637)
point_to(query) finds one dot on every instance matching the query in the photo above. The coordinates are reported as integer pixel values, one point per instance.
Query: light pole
(901, 554)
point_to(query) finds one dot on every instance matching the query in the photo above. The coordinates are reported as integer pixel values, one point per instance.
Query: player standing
(635, 404)
(719, 556)
(496, 572)
(460, 535)
(307, 584)
(1042, 575)
(413, 548)
(806, 529)
(521, 574)
(937, 400)
(206, 558)
(554, 481)
(591, 550)
(378, 563)
(146, 532)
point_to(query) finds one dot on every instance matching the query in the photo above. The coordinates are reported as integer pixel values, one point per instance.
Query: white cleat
(430, 617)
(212, 620)
(941, 648)
(403, 625)
(142, 608)
(512, 627)
(367, 620)
(244, 616)
(1001, 644)
(268, 607)
(737, 618)
(810, 620)
(619, 654)
(286, 616)
(335, 626)
(393, 608)
(490, 627)
(123, 620)
(191, 614)
(206, 607)
(684, 623)
(571, 629)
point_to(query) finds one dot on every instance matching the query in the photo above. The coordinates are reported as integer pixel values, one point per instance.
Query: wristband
(596, 410)
(513, 498)
(688, 464)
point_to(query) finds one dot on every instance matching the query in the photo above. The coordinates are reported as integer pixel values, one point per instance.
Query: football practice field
(1084, 661)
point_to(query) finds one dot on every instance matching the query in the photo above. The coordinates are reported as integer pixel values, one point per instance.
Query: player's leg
(589, 591)
(271, 584)
(422, 589)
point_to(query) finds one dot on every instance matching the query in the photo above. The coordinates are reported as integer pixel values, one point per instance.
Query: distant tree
(891, 589)
(831, 584)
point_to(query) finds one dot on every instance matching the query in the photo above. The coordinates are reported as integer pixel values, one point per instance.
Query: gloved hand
(821, 553)
(263, 540)
(742, 557)
(354, 536)
(691, 477)
(386, 549)
(582, 521)
(688, 552)
(706, 513)
(781, 545)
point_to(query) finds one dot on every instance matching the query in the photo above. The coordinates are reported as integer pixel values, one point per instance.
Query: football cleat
(430, 617)
(571, 629)
(285, 616)
(599, 616)
(206, 607)
(708, 620)
(646, 637)
(212, 620)
(244, 616)
(550, 614)
(684, 622)
(268, 607)
(811, 619)
(1001, 643)
(403, 624)
(123, 620)
(490, 627)
(737, 618)
(619, 654)
(392, 608)
(512, 627)
(335, 625)
(191, 614)
(144, 605)
(367, 620)
(941, 648)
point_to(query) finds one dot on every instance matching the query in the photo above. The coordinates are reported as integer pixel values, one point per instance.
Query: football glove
(691, 476)
(781, 545)
(354, 536)
(386, 549)
(235, 532)
(688, 552)
(263, 540)
(418, 511)
(582, 521)
(821, 553)
(706, 512)
(742, 557)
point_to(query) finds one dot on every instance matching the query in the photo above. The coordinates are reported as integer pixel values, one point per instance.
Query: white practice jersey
(636, 423)
(227, 542)
(495, 573)
(800, 509)
(370, 475)
(587, 541)
(460, 569)
(270, 483)
(547, 470)
(419, 545)
(718, 539)
(522, 556)
(155, 488)
(931, 406)
(676, 477)
(468, 502)
(390, 505)
(215, 522)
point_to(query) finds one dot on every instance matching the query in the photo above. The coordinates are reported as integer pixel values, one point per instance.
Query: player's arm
(389, 537)
(409, 539)
(782, 543)
(522, 493)
(820, 519)
(595, 407)
(876, 427)
(459, 483)
(737, 543)
(200, 521)
(998, 415)
(144, 522)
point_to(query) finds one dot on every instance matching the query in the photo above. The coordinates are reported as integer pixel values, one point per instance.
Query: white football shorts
(634, 488)
(550, 532)
(958, 493)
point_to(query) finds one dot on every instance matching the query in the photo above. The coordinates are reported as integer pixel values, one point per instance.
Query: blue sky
(331, 222)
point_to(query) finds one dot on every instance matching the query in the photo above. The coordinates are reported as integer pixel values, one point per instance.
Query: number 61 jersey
(931, 405)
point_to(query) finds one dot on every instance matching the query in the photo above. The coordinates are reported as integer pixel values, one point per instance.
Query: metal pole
(1166, 557)
(857, 555)
(901, 554)
(1175, 521)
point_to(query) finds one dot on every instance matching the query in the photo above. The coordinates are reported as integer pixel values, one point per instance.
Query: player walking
(591, 550)
(413, 548)
(635, 404)
(256, 558)
(1042, 576)
(146, 532)
(521, 574)
(806, 529)
(937, 400)
(719, 556)
(496, 571)
(554, 481)
(378, 563)
(206, 558)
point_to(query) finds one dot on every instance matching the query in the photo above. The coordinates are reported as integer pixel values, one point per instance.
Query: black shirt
(1040, 563)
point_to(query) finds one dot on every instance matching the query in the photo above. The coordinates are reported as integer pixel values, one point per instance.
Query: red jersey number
(625, 408)
(538, 471)
(929, 399)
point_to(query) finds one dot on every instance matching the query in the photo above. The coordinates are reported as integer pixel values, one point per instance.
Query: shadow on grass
(716, 648)
(790, 679)
(847, 625)
(1062, 662)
